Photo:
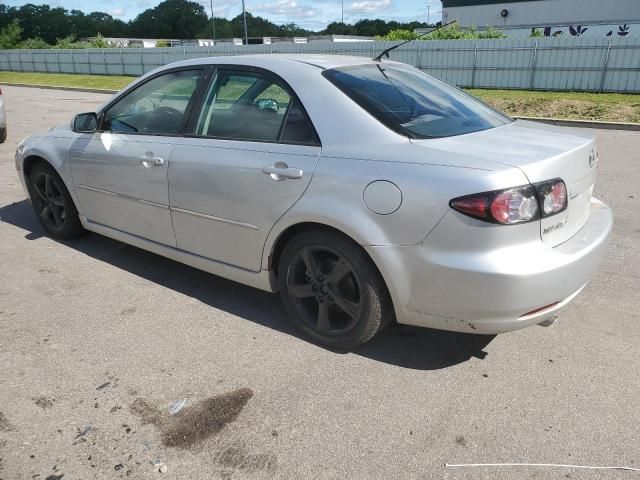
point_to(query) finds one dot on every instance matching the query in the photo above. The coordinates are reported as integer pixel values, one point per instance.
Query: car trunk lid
(543, 153)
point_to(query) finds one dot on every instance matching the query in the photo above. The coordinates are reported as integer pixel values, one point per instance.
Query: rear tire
(3, 135)
(332, 291)
(52, 203)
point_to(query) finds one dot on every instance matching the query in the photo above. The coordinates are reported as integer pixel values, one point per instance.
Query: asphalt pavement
(100, 342)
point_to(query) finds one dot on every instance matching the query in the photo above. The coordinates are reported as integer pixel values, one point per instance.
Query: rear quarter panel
(335, 196)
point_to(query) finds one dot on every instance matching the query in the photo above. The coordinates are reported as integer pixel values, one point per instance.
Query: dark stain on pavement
(43, 402)
(5, 425)
(195, 423)
(238, 458)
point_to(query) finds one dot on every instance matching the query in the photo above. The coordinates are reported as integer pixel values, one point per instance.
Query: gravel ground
(100, 341)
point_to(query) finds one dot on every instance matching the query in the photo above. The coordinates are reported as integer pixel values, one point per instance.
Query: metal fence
(609, 64)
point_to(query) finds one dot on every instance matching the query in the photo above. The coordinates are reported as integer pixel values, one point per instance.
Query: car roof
(260, 60)
(319, 60)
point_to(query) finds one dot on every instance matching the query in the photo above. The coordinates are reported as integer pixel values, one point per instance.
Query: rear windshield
(413, 103)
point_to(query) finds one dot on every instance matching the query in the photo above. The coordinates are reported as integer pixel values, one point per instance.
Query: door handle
(280, 171)
(151, 161)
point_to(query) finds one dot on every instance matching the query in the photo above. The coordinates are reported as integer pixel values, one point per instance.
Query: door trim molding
(215, 219)
(121, 195)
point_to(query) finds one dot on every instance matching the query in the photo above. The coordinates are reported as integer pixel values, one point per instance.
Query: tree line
(42, 26)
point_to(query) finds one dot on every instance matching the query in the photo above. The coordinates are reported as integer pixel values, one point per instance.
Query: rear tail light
(553, 197)
(515, 205)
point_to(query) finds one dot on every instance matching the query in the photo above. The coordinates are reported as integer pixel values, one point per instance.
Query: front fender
(54, 150)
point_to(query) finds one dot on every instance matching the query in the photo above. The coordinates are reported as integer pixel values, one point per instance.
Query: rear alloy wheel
(332, 290)
(53, 204)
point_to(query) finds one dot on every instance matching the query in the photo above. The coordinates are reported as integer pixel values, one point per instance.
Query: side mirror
(85, 122)
(268, 104)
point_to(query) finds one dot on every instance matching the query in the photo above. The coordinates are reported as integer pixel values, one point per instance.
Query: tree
(339, 28)
(399, 34)
(171, 19)
(98, 42)
(33, 44)
(452, 32)
(10, 35)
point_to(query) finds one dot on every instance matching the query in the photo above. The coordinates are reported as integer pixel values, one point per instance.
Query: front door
(120, 172)
(252, 156)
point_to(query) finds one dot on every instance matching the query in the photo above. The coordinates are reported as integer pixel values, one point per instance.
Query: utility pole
(244, 20)
(213, 24)
(428, 14)
(342, 15)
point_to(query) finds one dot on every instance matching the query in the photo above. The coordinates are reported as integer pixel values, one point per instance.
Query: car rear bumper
(495, 291)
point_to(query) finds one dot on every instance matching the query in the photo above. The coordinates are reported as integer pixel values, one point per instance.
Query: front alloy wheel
(49, 202)
(52, 203)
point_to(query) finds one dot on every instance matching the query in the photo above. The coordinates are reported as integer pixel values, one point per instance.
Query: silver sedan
(364, 191)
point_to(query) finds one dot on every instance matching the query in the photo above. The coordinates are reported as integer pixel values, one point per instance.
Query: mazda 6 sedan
(364, 191)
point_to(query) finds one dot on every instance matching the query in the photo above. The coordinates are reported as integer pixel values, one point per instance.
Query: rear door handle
(280, 171)
(151, 161)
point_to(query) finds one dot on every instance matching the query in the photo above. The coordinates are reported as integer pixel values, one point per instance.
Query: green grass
(614, 107)
(66, 80)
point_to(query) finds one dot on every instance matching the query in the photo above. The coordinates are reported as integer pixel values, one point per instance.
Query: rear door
(250, 158)
(120, 172)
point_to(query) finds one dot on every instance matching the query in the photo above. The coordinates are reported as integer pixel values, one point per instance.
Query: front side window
(413, 103)
(157, 107)
(254, 107)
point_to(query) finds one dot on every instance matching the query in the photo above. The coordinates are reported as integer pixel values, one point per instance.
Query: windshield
(413, 103)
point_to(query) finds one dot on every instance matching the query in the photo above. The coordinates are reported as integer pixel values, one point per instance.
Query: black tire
(3, 135)
(52, 203)
(341, 305)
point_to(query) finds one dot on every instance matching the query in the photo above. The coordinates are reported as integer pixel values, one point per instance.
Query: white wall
(542, 13)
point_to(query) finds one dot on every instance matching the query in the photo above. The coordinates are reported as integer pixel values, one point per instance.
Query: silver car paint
(431, 257)
(219, 191)
(117, 184)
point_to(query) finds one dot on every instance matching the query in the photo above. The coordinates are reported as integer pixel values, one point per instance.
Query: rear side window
(413, 103)
(250, 106)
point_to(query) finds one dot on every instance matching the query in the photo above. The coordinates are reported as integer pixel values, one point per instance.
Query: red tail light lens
(472, 206)
(515, 205)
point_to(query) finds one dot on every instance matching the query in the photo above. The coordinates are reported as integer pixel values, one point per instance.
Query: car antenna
(385, 53)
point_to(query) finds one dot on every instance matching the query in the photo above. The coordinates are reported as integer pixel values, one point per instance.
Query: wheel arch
(291, 231)
(33, 159)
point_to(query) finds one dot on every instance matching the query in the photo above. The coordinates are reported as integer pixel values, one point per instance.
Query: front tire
(52, 203)
(332, 291)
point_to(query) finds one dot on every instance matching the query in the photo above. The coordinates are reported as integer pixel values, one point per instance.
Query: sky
(310, 14)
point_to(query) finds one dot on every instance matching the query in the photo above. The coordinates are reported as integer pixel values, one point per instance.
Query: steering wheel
(163, 117)
(167, 111)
